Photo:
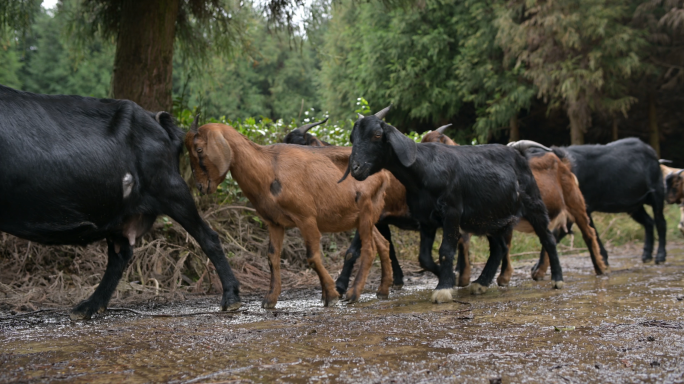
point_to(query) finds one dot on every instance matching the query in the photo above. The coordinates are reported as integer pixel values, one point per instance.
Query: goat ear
(403, 147)
(218, 151)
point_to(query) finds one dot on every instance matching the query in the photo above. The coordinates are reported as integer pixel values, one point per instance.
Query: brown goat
(563, 201)
(296, 186)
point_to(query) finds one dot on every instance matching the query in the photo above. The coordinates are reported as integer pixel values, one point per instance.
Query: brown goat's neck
(250, 166)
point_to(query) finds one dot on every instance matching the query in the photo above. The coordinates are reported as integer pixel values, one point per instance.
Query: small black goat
(483, 190)
(300, 136)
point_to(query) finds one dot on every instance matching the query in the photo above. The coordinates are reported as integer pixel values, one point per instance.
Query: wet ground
(626, 327)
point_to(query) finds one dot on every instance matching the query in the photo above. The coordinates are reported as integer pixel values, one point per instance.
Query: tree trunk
(515, 129)
(576, 129)
(144, 53)
(653, 124)
(615, 129)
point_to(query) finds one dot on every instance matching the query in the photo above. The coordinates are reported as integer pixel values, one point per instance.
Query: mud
(624, 327)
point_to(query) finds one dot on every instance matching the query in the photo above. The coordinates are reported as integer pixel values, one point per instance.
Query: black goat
(619, 177)
(300, 136)
(483, 190)
(77, 169)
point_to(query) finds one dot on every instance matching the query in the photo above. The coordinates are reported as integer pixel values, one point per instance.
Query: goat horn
(381, 114)
(158, 116)
(306, 127)
(664, 161)
(524, 145)
(680, 172)
(360, 116)
(193, 126)
(443, 128)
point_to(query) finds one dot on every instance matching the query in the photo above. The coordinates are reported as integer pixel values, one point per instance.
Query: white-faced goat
(296, 186)
(674, 188)
(483, 190)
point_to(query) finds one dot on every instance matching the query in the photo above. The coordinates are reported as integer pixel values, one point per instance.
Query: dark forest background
(558, 72)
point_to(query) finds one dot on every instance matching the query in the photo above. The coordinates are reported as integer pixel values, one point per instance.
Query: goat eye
(199, 150)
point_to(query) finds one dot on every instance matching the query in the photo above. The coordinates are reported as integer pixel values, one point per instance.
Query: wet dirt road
(628, 327)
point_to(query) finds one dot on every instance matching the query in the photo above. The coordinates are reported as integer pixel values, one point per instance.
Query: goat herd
(76, 170)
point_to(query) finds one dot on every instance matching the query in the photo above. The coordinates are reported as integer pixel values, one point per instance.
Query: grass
(614, 230)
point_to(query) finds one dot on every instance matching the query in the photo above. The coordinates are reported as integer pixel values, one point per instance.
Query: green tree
(146, 33)
(579, 53)
(50, 66)
(9, 64)
(276, 80)
(428, 61)
(663, 24)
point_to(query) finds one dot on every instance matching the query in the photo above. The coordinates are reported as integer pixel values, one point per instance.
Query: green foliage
(202, 26)
(43, 61)
(9, 64)
(51, 67)
(275, 81)
(428, 61)
(16, 16)
(579, 53)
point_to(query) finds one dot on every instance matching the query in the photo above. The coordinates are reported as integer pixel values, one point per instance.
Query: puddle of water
(627, 328)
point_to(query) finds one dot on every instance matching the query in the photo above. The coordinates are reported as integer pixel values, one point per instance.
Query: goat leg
(350, 257)
(312, 239)
(506, 265)
(497, 251)
(661, 227)
(449, 246)
(116, 264)
(382, 247)
(641, 217)
(275, 246)
(366, 232)
(180, 206)
(463, 261)
(397, 273)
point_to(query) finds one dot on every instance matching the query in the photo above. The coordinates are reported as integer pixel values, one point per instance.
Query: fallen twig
(220, 313)
(29, 314)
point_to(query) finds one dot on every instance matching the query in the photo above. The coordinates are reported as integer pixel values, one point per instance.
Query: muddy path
(625, 327)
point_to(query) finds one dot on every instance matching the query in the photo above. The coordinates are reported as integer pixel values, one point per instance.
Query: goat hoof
(397, 286)
(558, 284)
(502, 282)
(231, 306)
(78, 316)
(231, 300)
(331, 302)
(477, 289)
(382, 296)
(442, 296)
(646, 258)
(341, 289)
(85, 310)
(266, 305)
